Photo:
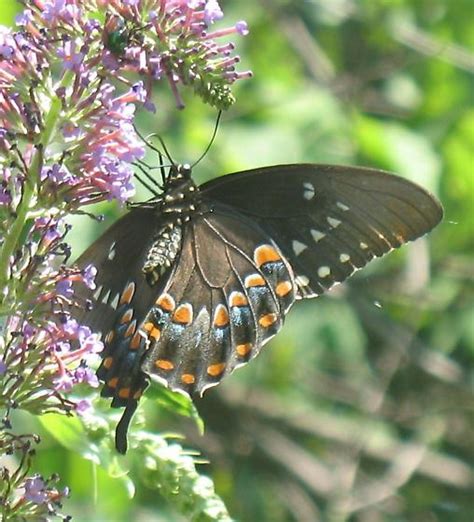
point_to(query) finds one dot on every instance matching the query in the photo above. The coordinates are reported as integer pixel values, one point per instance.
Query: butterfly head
(183, 171)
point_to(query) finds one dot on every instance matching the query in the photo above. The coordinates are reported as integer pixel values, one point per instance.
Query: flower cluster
(46, 352)
(22, 496)
(72, 75)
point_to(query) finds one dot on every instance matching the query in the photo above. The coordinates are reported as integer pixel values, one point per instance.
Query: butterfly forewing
(329, 220)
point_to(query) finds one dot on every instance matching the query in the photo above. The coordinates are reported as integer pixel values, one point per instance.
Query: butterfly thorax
(173, 209)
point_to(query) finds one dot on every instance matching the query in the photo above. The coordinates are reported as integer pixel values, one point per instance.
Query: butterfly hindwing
(229, 294)
(329, 220)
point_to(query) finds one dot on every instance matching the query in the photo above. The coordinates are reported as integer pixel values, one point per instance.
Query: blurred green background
(361, 409)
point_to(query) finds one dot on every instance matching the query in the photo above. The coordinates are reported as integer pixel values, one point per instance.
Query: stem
(31, 183)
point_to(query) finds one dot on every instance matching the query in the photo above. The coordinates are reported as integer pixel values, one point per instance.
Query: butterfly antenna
(168, 155)
(150, 145)
(216, 126)
(162, 168)
(147, 166)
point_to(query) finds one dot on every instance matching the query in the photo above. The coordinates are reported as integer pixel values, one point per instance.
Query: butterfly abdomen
(162, 252)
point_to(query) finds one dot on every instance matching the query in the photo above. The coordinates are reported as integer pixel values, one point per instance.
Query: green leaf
(176, 402)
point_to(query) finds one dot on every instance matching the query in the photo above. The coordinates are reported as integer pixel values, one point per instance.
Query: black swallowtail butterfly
(192, 283)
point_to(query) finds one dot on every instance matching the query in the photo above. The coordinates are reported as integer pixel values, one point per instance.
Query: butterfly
(192, 283)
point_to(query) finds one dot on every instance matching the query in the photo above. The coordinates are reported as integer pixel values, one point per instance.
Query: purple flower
(64, 382)
(62, 347)
(55, 11)
(64, 287)
(212, 12)
(5, 196)
(48, 227)
(57, 174)
(71, 59)
(35, 490)
(6, 51)
(82, 374)
(52, 9)
(73, 329)
(91, 344)
(139, 91)
(83, 406)
(70, 130)
(3, 368)
(24, 18)
(89, 273)
(242, 28)
(28, 330)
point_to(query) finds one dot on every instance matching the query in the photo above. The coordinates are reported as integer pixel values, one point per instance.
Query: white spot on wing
(308, 190)
(298, 247)
(363, 245)
(112, 252)
(324, 271)
(115, 301)
(106, 297)
(344, 258)
(302, 280)
(97, 292)
(342, 206)
(317, 235)
(333, 222)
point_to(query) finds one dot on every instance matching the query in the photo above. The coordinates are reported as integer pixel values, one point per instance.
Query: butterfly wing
(329, 220)
(228, 296)
(118, 256)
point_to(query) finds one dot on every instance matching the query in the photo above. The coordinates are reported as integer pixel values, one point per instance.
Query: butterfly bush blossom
(72, 74)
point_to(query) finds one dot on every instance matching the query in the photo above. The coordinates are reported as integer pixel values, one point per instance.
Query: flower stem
(29, 189)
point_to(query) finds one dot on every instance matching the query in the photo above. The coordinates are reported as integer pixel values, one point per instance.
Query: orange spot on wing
(243, 349)
(109, 337)
(238, 299)
(127, 316)
(214, 370)
(152, 331)
(283, 289)
(221, 316)
(127, 294)
(155, 334)
(183, 314)
(254, 280)
(164, 364)
(166, 302)
(112, 383)
(131, 329)
(124, 393)
(267, 320)
(107, 362)
(188, 378)
(265, 254)
(148, 327)
(136, 341)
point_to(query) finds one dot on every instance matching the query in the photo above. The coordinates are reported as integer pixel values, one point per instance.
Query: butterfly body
(193, 283)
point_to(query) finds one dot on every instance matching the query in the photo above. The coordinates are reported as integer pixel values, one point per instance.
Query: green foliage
(158, 462)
